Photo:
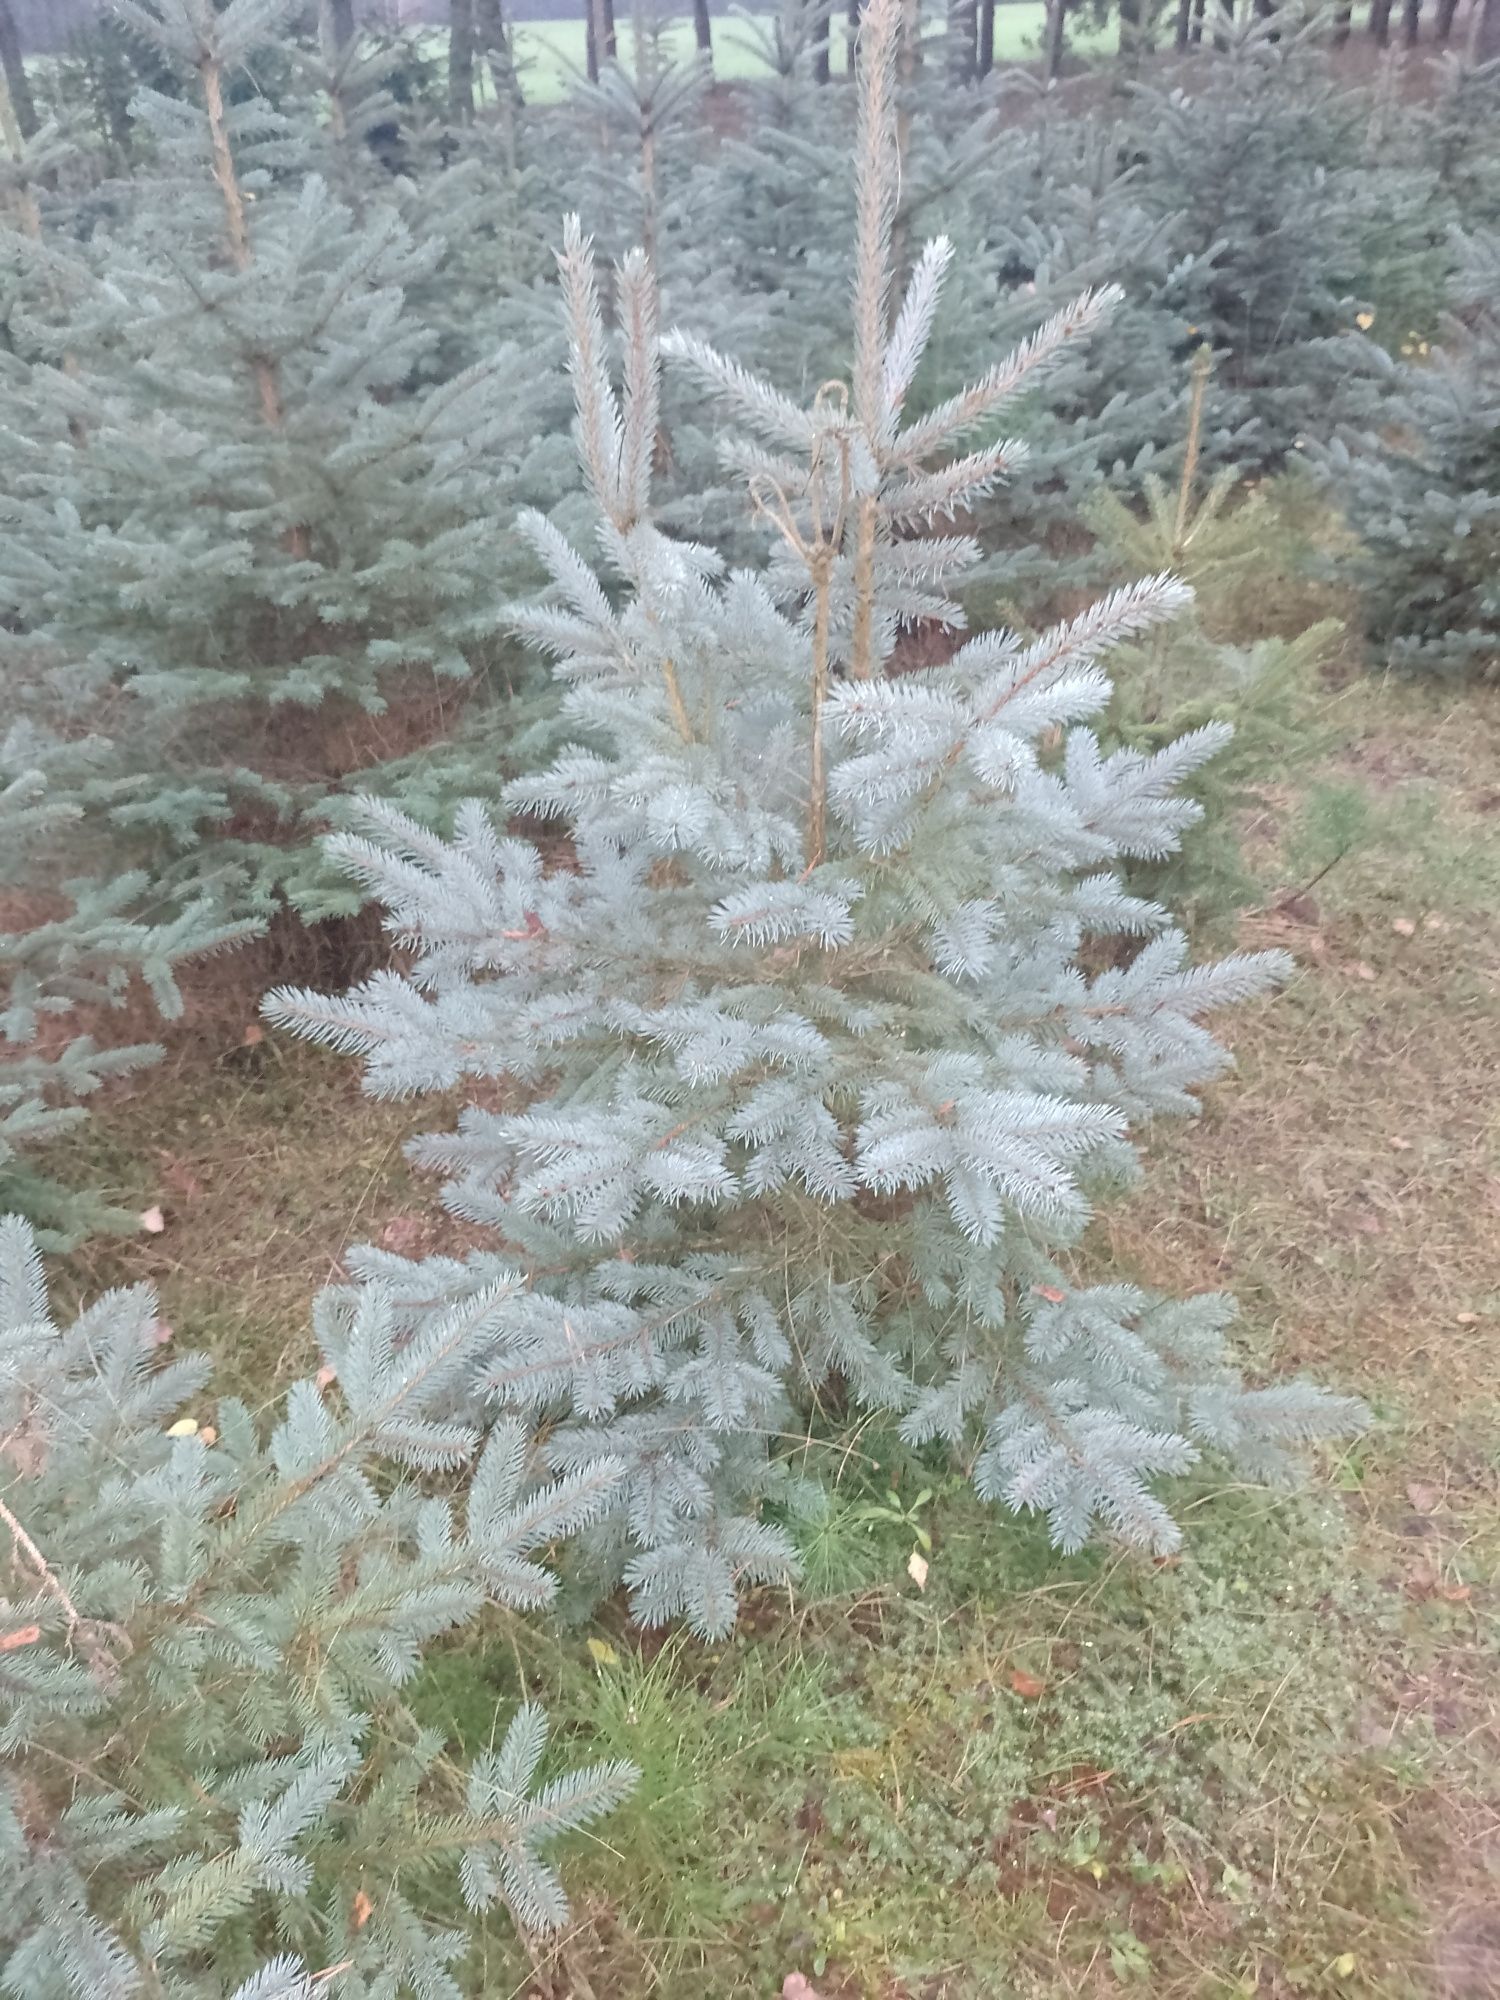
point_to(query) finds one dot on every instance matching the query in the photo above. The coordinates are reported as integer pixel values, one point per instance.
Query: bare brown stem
(817, 801)
(45, 1574)
(1203, 362)
(262, 368)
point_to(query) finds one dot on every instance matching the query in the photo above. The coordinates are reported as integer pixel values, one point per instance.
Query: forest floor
(1270, 1766)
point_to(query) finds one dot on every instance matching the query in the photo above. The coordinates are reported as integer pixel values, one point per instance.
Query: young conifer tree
(1286, 219)
(1420, 487)
(73, 936)
(826, 1025)
(231, 506)
(209, 1784)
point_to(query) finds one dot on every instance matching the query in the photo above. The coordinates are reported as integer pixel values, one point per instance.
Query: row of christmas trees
(829, 1005)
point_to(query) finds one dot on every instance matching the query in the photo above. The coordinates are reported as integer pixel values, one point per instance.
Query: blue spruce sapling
(1420, 487)
(73, 935)
(209, 1784)
(231, 510)
(823, 1026)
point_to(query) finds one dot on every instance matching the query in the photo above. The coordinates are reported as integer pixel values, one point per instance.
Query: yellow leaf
(603, 1653)
(1364, 321)
(916, 1568)
(153, 1221)
(1344, 1964)
(185, 1427)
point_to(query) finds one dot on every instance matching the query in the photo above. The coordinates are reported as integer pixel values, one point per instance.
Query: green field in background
(551, 53)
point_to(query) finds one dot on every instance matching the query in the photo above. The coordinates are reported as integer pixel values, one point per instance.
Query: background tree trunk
(1130, 31)
(1486, 42)
(822, 28)
(1411, 22)
(986, 36)
(1184, 23)
(17, 82)
(1380, 21)
(703, 31)
(461, 61)
(963, 36)
(1195, 33)
(341, 13)
(851, 35)
(493, 43)
(609, 47)
(1442, 26)
(1057, 29)
(1343, 20)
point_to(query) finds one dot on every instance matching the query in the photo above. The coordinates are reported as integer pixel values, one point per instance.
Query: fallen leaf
(1364, 320)
(208, 1434)
(326, 1374)
(1050, 1293)
(1435, 923)
(1026, 1685)
(916, 1568)
(161, 1333)
(1344, 1964)
(1363, 971)
(1299, 907)
(1426, 1499)
(153, 1221)
(1403, 927)
(179, 1176)
(254, 1034)
(603, 1653)
(185, 1427)
(1455, 1593)
(402, 1234)
(361, 1910)
(1398, 1145)
(24, 1635)
(797, 1987)
(1466, 1319)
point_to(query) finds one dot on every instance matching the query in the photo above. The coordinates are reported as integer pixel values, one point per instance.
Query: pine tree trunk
(963, 34)
(822, 30)
(27, 214)
(851, 36)
(1442, 26)
(1380, 21)
(1411, 22)
(461, 61)
(703, 32)
(1184, 24)
(1195, 33)
(1130, 32)
(17, 82)
(1486, 42)
(1343, 20)
(609, 46)
(342, 13)
(1057, 27)
(493, 43)
(986, 36)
